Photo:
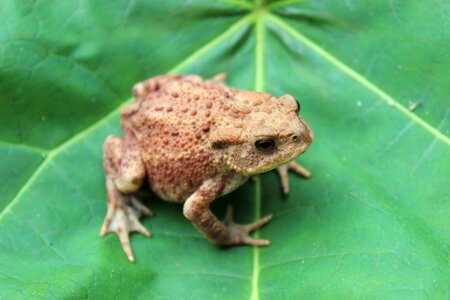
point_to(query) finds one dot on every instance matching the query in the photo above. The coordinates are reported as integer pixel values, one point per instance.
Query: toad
(195, 140)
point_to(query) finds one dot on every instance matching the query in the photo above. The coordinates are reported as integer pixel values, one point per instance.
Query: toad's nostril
(295, 138)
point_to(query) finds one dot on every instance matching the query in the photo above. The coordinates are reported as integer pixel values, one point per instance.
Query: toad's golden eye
(265, 145)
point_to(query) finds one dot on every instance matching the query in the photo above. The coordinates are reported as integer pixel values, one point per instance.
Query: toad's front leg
(124, 172)
(196, 209)
(283, 173)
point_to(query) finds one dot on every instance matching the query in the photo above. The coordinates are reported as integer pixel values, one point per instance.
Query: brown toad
(196, 140)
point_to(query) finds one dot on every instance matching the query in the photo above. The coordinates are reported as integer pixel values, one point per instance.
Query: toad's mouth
(295, 154)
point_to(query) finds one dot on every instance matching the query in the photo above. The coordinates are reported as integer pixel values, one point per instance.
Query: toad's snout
(307, 136)
(307, 133)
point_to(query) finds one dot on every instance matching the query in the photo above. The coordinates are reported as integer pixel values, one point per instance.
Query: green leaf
(373, 222)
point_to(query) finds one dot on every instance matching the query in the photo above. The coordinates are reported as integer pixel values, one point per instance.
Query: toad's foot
(123, 218)
(239, 233)
(283, 173)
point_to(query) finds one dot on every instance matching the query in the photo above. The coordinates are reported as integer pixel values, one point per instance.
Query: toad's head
(261, 132)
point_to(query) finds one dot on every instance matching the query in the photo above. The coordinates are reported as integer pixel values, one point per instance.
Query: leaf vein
(212, 44)
(44, 241)
(241, 3)
(72, 61)
(233, 276)
(51, 153)
(356, 76)
(331, 255)
(259, 86)
(24, 146)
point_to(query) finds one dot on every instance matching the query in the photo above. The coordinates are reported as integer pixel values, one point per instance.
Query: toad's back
(172, 125)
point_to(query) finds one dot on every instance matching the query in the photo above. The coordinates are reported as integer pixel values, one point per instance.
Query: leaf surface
(373, 222)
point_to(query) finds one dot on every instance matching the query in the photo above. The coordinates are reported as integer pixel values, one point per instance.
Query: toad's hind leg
(124, 172)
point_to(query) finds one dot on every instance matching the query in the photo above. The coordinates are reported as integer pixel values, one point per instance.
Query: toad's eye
(298, 106)
(265, 145)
